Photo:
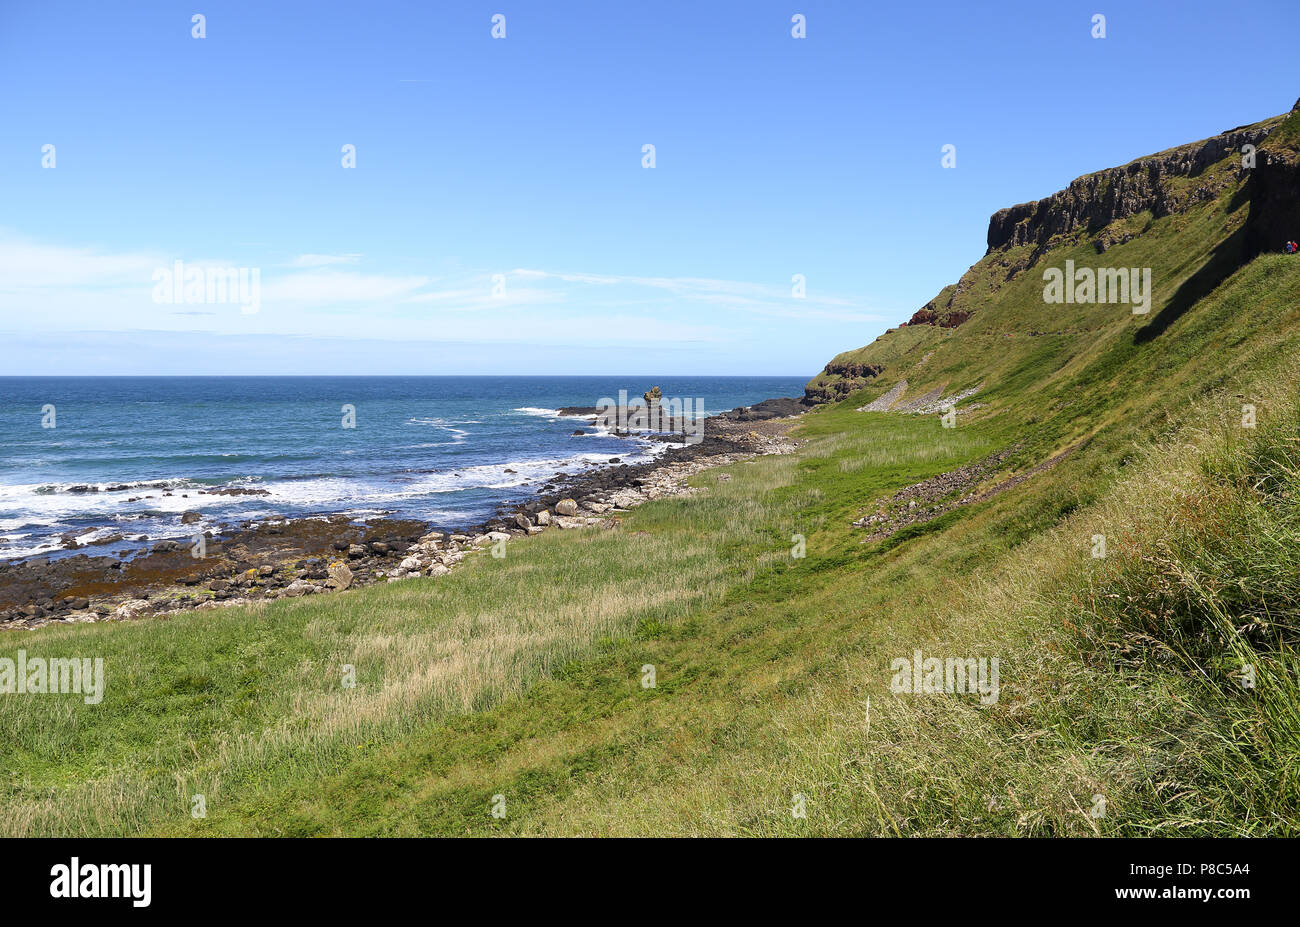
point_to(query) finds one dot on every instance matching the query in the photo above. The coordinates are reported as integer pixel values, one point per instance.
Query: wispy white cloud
(483, 296)
(761, 299)
(324, 260)
(26, 265)
(340, 287)
(55, 291)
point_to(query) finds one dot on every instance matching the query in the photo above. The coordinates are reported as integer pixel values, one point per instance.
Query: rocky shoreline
(307, 556)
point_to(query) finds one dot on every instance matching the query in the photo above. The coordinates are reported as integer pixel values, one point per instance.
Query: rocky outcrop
(853, 370)
(943, 311)
(853, 377)
(781, 407)
(1094, 201)
(939, 313)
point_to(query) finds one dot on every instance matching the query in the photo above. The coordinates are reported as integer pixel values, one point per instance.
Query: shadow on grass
(1221, 264)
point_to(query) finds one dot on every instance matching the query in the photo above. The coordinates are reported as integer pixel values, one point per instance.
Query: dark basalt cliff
(1274, 190)
(1161, 184)
(1113, 206)
(1096, 200)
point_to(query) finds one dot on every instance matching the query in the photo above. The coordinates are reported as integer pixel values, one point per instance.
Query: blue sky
(518, 161)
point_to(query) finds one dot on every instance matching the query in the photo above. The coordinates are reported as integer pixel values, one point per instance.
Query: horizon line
(431, 376)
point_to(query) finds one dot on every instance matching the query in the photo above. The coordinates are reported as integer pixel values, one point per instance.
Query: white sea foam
(11, 551)
(345, 492)
(459, 435)
(42, 504)
(35, 516)
(542, 413)
(25, 506)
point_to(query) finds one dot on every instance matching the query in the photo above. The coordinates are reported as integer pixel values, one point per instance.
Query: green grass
(522, 677)
(251, 699)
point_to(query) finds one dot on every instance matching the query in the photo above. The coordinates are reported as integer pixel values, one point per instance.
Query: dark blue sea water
(434, 448)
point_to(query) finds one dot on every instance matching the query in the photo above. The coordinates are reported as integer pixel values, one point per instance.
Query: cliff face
(1105, 209)
(1274, 190)
(1161, 184)
(1096, 200)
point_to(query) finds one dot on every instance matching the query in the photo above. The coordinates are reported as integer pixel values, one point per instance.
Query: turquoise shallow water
(434, 448)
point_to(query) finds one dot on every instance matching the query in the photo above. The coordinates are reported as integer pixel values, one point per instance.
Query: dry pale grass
(422, 649)
(1067, 728)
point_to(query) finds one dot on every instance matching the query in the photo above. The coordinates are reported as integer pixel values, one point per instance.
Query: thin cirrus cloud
(340, 287)
(761, 299)
(80, 284)
(29, 265)
(481, 295)
(478, 291)
(324, 260)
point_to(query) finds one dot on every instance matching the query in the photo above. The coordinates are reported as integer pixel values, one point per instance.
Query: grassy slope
(895, 348)
(521, 677)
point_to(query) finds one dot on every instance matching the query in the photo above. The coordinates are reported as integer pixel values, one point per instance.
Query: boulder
(340, 576)
(130, 608)
(566, 507)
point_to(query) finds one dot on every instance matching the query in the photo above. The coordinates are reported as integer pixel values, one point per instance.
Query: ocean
(128, 455)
